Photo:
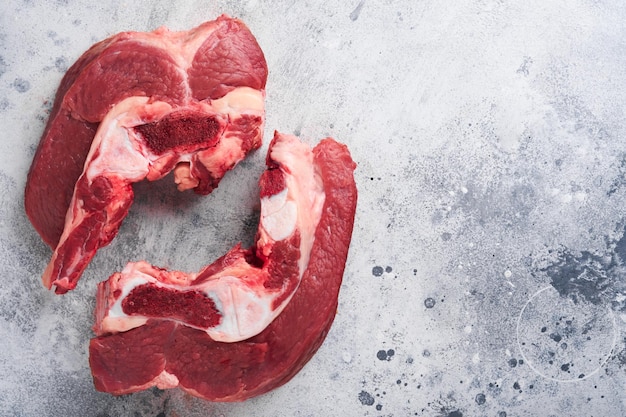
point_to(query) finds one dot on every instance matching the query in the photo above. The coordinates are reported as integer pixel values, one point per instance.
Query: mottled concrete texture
(487, 271)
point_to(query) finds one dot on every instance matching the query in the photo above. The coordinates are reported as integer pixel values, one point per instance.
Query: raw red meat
(238, 296)
(170, 346)
(189, 101)
(137, 106)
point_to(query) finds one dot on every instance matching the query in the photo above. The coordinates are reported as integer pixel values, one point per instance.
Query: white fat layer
(111, 151)
(115, 150)
(278, 215)
(241, 100)
(183, 178)
(119, 147)
(245, 307)
(165, 380)
(246, 312)
(121, 324)
(305, 189)
(121, 152)
(220, 157)
(118, 156)
(118, 321)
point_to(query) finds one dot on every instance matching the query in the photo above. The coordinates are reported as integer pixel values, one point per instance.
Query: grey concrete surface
(487, 270)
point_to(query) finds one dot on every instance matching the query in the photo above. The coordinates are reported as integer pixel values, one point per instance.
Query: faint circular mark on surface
(563, 340)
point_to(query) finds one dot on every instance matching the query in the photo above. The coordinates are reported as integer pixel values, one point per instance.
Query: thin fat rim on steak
(168, 353)
(201, 64)
(193, 103)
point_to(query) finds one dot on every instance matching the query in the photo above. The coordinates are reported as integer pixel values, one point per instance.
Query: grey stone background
(486, 275)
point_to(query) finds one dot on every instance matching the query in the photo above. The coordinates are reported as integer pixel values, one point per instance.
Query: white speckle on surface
(507, 273)
(346, 357)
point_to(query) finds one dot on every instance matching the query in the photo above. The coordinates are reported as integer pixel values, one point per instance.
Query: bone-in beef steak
(240, 295)
(137, 106)
(308, 202)
(192, 102)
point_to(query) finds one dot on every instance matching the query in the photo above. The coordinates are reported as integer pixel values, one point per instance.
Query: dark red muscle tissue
(137, 106)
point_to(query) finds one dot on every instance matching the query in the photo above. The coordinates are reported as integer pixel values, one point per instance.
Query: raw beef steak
(167, 328)
(135, 106)
(237, 297)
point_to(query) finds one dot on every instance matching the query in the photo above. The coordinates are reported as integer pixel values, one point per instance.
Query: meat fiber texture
(202, 64)
(137, 106)
(166, 353)
(190, 101)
